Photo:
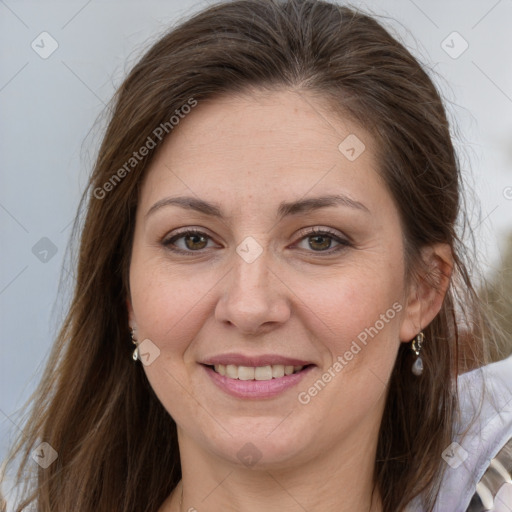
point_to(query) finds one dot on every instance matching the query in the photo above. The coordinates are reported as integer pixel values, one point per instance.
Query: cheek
(357, 327)
(356, 317)
(166, 303)
(167, 306)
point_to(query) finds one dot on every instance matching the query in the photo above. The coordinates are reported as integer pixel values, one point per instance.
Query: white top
(468, 457)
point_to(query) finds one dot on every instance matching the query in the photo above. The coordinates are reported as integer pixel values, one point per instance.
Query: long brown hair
(117, 446)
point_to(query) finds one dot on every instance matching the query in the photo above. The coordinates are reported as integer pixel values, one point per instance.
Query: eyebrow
(285, 208)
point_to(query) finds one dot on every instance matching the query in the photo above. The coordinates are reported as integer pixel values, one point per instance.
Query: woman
(271, 221)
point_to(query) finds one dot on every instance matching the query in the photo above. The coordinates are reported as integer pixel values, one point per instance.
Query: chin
(261, 443)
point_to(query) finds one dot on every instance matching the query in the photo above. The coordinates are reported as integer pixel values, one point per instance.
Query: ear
(427, 290)
(131, 315)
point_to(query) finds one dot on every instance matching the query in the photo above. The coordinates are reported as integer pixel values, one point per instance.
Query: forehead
(262, 144)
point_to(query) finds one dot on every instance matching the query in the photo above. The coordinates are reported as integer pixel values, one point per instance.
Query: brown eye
(321, 241)
(194, 241)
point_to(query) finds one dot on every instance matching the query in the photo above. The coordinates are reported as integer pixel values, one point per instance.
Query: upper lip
(261, 360)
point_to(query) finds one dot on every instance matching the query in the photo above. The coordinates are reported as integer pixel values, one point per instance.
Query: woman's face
(297, 264)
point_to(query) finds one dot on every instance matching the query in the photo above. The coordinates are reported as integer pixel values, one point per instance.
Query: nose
(253, 299)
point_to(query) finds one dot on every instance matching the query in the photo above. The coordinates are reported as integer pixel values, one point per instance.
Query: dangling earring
(417, 367)
(135, 354)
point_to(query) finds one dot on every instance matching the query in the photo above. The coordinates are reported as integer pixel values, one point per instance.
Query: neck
(339, 481)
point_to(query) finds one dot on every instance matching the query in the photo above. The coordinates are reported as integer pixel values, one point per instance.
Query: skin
(248, 153)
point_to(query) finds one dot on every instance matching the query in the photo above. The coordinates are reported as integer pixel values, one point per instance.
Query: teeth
(263, 373)
(277, 371)
(231, 371)
(268, 372)
(245, 373)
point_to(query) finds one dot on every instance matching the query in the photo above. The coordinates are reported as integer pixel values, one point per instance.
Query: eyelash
(343, 243)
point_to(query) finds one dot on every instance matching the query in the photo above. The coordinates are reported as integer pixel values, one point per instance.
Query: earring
(417, 367)
(135, 354)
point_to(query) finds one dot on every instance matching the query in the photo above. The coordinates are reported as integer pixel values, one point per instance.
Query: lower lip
(256, 388)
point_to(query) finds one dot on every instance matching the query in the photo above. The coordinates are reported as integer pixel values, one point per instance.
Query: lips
(261, 376)
(256, 389)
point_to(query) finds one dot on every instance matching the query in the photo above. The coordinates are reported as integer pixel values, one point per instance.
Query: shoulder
(482, 430)
(485, 398)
